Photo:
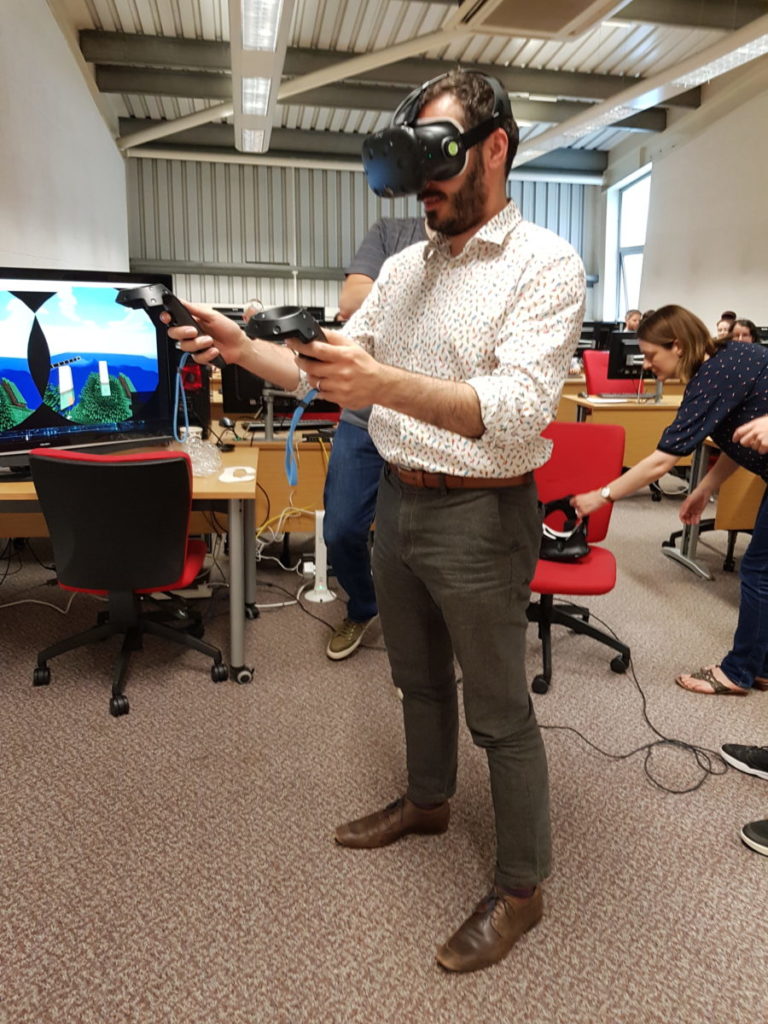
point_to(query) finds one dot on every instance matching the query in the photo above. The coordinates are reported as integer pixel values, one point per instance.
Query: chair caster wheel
(655, 496)
(242, 674)
(118, 705)
(620, 664)
(539, 684)
(41, 676)
(219, 673)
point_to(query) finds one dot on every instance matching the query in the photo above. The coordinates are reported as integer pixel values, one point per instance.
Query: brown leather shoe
(399, 818)
(491, 931)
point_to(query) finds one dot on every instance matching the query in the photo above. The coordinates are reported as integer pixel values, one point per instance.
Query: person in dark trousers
(461, 347)
(726, 388)
(355, 465)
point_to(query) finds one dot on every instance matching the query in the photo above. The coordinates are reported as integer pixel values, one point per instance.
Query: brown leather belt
(420, 478)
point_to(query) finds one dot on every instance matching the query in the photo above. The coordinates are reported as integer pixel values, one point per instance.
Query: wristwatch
(605, 492)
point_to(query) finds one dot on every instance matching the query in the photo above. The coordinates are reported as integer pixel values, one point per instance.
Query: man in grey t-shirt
(355, 465)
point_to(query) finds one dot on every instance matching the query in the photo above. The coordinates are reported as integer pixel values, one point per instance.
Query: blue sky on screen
(77, 319)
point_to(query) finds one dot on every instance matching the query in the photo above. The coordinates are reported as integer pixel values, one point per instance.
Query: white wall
(62, 179)
(707, 242)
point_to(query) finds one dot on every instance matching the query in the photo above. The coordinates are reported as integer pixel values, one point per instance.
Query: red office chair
(599, 383)
(585, 456)
(596, 376)
(119, 527)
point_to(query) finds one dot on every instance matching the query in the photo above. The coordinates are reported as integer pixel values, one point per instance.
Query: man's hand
(341, 370)
(753, 434)
(220, 336)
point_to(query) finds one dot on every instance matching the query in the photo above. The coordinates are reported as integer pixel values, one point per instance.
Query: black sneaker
(752, 760)
(755, 835)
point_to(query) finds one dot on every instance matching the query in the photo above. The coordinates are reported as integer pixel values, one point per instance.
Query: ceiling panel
(640, 45)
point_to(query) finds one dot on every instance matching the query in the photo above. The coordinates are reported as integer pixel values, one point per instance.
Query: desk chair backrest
(117, 522)
(596, 376)
(585, 456)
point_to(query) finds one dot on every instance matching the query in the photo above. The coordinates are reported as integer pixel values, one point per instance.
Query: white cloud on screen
(15, 324)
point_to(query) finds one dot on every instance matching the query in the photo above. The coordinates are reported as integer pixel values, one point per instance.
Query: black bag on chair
(569, 544)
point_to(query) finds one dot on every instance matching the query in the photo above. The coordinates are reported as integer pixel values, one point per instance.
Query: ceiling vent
(551, 19)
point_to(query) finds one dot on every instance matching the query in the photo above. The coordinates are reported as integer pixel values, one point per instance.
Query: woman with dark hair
(725, 323)
(743, 330)
(726, 389)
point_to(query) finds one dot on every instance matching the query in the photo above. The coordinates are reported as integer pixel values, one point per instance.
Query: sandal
(706, 675)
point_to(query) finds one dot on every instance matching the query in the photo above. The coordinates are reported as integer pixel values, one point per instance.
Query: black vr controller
(281, 322)
(155, 299)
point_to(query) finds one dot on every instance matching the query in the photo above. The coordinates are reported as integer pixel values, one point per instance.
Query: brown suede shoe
(399, 818)
(491, 931)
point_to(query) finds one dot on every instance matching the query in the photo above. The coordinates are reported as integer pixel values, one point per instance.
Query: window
(633, 220)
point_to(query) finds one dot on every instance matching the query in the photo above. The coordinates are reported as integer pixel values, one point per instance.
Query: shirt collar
(494, 232)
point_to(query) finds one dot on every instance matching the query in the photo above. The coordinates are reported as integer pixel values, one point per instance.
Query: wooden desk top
(629, 405)
(203, 487)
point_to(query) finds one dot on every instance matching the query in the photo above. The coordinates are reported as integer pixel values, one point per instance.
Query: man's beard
(466, 208)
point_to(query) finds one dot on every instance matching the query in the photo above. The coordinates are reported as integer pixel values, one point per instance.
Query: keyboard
(624, 396)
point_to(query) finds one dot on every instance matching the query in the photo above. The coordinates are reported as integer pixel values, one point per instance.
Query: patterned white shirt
(504, 316)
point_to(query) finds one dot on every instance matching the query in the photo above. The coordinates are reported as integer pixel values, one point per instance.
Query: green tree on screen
(93, 407)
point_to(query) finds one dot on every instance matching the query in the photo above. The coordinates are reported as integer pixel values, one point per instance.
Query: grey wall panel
(233, 231)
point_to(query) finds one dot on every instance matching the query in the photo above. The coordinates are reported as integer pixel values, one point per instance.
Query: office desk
(276, 494)
(738, 502)
(17, 519)
(644, 422)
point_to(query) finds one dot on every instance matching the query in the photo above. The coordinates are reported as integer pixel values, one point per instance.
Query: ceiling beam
(334, 147)
(119, 49)
(206, 86)
(714, 14)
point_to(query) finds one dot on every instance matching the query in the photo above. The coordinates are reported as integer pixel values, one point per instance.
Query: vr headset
(401, 159)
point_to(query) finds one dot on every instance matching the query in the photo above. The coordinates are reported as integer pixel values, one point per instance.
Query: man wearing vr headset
(461, 347)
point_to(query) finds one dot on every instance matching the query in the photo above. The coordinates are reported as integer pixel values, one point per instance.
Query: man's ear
(496, 147)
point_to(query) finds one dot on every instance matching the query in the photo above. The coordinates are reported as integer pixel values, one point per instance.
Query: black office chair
(119, 527)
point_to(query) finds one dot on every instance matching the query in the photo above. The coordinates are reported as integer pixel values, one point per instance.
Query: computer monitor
(625, 360)
(596, 333)
(77, 370)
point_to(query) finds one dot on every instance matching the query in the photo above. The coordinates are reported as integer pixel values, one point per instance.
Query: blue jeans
(351, 487)
(749, 655)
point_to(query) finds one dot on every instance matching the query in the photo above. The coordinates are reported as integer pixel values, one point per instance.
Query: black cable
(269, 507)
(706, 759)
(28, 546)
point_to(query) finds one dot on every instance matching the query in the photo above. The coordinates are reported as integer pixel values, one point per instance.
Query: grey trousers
(451, 569)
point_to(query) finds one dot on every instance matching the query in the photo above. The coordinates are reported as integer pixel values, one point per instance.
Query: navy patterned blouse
(727, 390)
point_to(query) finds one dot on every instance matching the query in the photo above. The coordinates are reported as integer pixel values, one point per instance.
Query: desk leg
(686, 554)
(249, 555)
(237, 667)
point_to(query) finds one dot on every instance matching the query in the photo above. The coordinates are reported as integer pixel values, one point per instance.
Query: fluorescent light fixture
(251, 141)
(258, 32)
(744, 54)
(255, 95)
(260, 22)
